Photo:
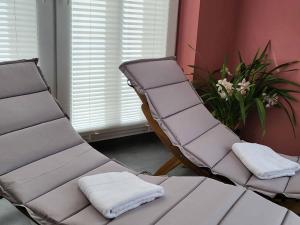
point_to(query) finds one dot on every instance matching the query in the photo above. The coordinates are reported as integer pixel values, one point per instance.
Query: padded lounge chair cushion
(180, 112)
(42, 158)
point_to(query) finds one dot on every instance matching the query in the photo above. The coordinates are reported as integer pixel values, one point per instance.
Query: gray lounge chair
(185, 126)
(42, 157)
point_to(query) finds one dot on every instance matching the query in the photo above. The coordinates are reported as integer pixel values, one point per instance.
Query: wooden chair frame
(177, 158)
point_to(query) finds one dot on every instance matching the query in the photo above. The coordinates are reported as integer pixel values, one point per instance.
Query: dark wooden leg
(167, 166)
(291, 204)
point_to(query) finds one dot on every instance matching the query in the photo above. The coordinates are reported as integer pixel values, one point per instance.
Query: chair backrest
(174, 103)
(32, 125)
(171, 98)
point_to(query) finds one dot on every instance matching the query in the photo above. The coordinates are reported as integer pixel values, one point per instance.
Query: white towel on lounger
(263, 162)
(117, 192)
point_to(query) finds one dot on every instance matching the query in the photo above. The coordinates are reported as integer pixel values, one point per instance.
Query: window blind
(104, 34)
(18, 29)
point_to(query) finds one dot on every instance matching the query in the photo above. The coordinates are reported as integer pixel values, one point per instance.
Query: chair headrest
(151, 73)
(19, 78)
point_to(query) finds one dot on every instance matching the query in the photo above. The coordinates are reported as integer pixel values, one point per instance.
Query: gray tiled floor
(141, 153)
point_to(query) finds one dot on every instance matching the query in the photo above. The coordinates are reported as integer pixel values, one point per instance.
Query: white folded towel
(263, 162)
(117, 192)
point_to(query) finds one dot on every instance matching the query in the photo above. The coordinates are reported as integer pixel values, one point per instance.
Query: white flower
(222, 94)
(244, 87)
(228, 87)
(270, 100)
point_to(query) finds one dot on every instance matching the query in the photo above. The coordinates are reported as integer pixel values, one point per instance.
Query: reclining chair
(177, 115)
(42, 158)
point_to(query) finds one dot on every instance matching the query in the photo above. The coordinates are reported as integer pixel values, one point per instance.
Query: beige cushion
(177, 108)
(27, 110)
(37, 178)
(20, 78)
(42, 158)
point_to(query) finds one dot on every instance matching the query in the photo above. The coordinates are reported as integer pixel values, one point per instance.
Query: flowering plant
(256, 86)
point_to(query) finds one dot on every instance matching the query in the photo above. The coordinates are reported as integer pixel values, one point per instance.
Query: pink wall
(187, 33)
(216, 32)
(226, 26)
(278, 21)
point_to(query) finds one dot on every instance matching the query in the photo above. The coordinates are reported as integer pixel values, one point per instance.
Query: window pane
(104, 34)
(18, 29)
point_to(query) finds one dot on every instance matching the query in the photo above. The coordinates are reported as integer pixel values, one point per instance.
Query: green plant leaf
(268, 46)
(240, 99)
(240, 57)
(261, 113)
(284, 65)
(293, 115)
(277, 80)
(237, 69)
(223, 71)
(290, 117)
(291, 70)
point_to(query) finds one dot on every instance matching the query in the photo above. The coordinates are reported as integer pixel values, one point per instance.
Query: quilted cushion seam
(285, 216)
(232, 206)
(67, 181)
(33, 125)
(209, 129)
(61, 150)
(182, 110)
(24, 94)
(160, 120)
(63, 164)
(180, 200)
(164, 85)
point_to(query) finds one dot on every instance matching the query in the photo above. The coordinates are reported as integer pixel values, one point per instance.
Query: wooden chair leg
(167, 166)
(291, 204)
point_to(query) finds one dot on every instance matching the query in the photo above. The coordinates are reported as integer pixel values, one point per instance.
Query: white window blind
(104, 34)
(18, 29)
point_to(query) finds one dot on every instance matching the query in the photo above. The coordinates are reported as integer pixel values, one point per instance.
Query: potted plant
(231, 96)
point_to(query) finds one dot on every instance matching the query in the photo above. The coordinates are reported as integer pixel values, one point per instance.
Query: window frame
(62, 73)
